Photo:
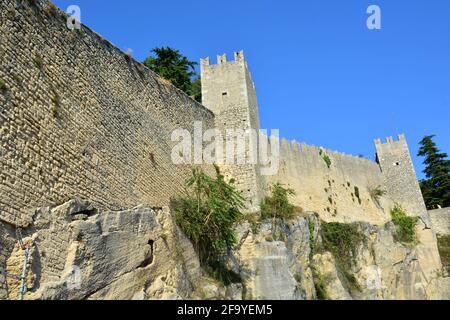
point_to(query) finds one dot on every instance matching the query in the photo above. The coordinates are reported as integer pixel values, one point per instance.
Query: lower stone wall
(440, 218)
(79, 252)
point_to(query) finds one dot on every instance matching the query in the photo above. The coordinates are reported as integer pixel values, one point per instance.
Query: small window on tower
(224, 94)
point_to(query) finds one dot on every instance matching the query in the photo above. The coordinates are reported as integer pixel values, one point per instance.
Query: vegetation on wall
(320, 284)
(343, 241)
(325, 158)
(38, 60)
(444, 250)
(2, 86)
(207, 215)
(51, 10)
(436, 186)
(358, 195)
(405, 225)
(277, 205)
(171, 65)
(377, 193)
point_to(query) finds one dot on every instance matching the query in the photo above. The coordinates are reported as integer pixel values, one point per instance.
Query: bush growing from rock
(405, 225)
(207, 216)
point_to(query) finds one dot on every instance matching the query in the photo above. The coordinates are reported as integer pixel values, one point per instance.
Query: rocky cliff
(78, 252)
(362, 261)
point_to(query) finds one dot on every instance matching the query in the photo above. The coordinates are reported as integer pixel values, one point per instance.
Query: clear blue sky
(322, 77)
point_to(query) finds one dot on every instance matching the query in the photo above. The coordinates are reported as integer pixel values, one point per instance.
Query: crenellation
(222, 59)
(205, 62)
(239, 56)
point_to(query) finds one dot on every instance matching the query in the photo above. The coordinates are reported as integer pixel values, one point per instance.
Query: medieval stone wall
(340, 192)
(79, 118)
(440, 218)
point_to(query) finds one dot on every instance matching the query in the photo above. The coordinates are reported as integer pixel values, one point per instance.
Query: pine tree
(436, 186)
(179, 70)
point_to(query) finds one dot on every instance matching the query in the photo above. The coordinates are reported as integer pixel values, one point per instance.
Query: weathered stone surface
(440, 219)
(326, 266)
(264, 265)
(140, 254)
(133, 254)
(81, 119)
(279, 265)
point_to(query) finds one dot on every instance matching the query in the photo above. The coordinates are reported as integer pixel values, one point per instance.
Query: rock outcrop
(291, 263)
(78, 252)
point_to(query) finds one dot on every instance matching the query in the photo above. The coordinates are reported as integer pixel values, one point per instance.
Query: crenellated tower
(228, 90)
(399, 175)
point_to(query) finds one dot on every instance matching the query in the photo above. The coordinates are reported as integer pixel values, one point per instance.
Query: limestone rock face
(334, 287)
(81, 254)
(282, 263)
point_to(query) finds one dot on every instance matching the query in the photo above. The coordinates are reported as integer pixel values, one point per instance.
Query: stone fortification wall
(79, 118)
(440, 218)
(339, 190)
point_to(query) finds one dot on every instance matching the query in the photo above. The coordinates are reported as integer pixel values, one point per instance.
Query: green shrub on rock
(343, 241)
(405, 225)
(277, 205)
(207, 215)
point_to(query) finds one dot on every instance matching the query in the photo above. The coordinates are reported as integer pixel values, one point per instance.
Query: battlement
(222, 59)
(294, 150)
(390, 140)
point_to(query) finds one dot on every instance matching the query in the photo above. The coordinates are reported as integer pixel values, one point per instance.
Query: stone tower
(399, 174)
(228, 91)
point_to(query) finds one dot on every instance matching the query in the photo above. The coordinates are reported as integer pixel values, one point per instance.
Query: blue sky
(322, 77)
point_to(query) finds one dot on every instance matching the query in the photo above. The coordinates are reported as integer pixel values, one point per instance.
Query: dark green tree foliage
(196, 89)
(207, 216)
(176, 68)
(436, 186)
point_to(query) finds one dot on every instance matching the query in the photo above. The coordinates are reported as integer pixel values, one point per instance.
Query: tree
(176, 68)
(277, 205)
(436, 186)
(207, 216)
